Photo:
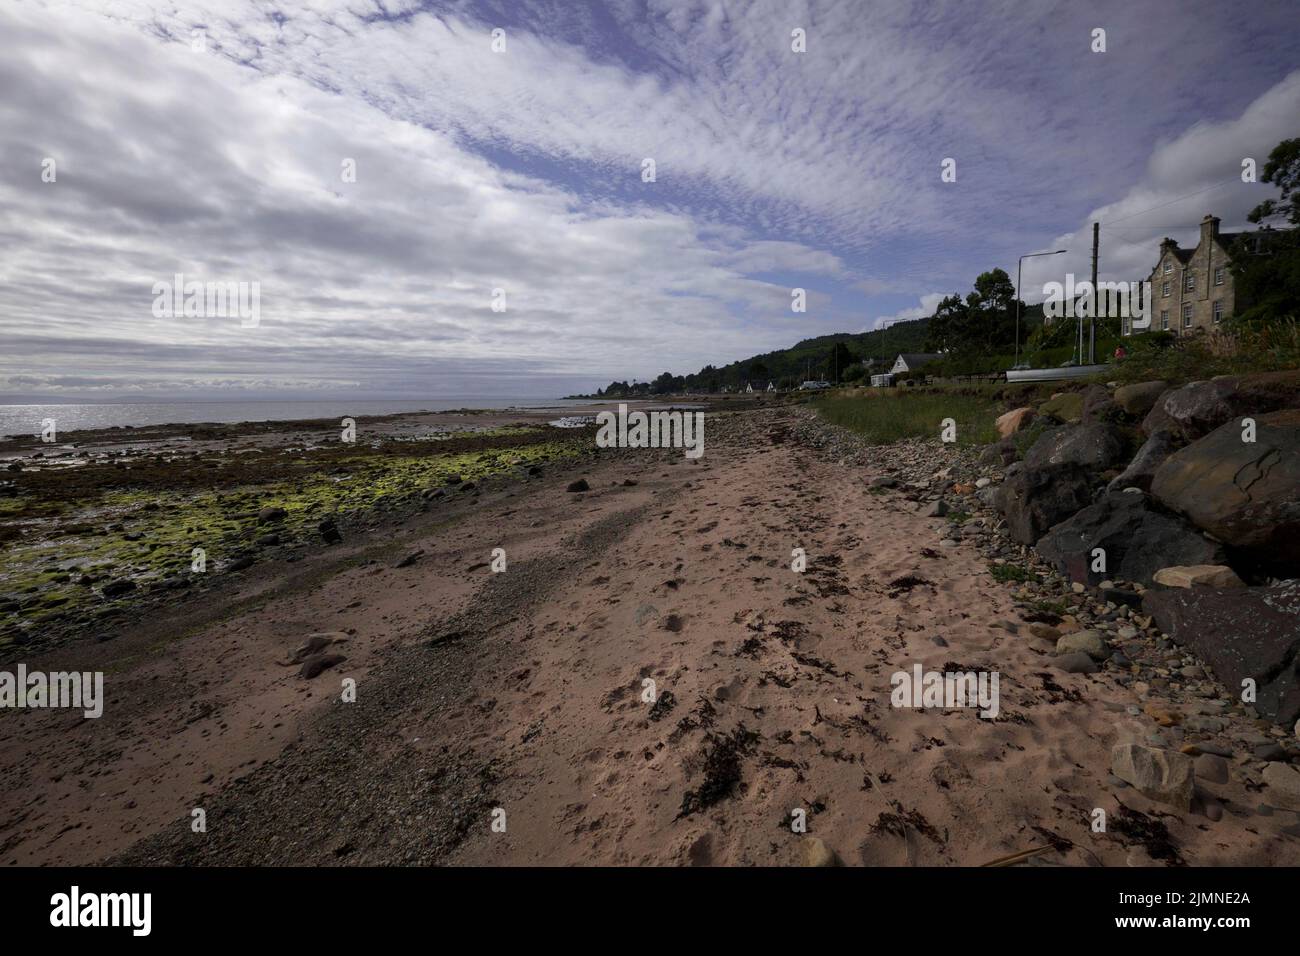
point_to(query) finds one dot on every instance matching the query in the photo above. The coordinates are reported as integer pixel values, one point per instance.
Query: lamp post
(1019, 264)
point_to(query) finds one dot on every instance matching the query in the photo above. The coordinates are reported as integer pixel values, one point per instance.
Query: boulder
(1093, 446)
(270, 514)
(1246, 494)
(1139, 399)
(1076, 662)
(1089, 642)
(1198, 575)
(329, 531)
(1013, 421)
(1064, 407)
(579, 485)
(1142, 469)
(1034, 501)
(316, 663)
(1098, 406)
(1283, 786)
(1138, 539)
(1000, 453)
(117, 588)
(1162, 775)
(1240, 633)
(1198, 408)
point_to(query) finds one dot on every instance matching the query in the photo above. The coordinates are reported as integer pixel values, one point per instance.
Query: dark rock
(1098, 406)
(579, 485)
(117, 588)
(1199, 408)
(1076, 662)
(1000, 453)
(1142, 469)
(882, 481)
(1138, 540)
(1093, 446)
(455, 480)
(629, 483)
(1138, 400)
(239, 564)
(534, 470)
(1271, 752)
(1035, 501)
(1121, 596)
(270, 514)
(1246, 494)
(410, 559)
(1240, 633)
(329, 531)
(316, 663)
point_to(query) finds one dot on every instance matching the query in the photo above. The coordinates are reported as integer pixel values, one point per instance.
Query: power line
(1170, 202)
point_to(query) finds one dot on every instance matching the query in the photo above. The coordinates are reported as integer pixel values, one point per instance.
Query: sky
(451, 199)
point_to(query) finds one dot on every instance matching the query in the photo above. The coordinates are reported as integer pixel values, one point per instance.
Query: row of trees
(834, 362)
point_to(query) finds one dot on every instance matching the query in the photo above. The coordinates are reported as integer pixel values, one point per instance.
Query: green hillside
(818, 358)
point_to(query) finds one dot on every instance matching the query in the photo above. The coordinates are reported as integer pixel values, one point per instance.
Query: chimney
(1209, 228)
(1167, 243)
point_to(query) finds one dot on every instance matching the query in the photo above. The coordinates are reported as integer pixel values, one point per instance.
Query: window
(1189, 281)
(1164, 319)
(1218, 311)
(1187, 316)
(1169, 268)
(1164, 289)
(1128, 325)
(1218, 276)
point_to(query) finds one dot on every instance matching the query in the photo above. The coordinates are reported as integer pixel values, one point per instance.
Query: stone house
(1192, 289)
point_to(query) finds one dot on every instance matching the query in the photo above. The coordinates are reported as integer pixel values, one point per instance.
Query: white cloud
(924, 309)
(1194, 174)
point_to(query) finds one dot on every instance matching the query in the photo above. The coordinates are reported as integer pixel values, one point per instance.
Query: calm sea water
(18, 420)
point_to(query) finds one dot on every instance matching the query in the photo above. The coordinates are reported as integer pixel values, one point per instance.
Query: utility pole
(1096, 298)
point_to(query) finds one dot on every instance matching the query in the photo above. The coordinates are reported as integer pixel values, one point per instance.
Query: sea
(24, 420)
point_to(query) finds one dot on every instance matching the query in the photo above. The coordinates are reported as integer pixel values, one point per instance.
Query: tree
(945, 329)
(1283, 170)
(1266, 264)
(841, 358)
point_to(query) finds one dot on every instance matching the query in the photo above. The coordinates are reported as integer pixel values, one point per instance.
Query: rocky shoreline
(1194, 605)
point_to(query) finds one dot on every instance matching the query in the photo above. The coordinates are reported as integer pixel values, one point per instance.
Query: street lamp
(1019, 264)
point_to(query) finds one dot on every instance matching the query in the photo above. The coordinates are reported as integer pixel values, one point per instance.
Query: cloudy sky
(212, 138)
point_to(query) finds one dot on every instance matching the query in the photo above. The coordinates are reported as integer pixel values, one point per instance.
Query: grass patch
(1238, 351)
(882, 416)
(1011, 572)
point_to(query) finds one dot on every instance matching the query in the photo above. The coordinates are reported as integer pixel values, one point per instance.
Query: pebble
(1076, 662)
(817, 853)
(1271, 752)
(1211, 769)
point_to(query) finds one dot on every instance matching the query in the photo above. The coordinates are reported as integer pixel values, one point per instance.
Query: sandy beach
(647, 682)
